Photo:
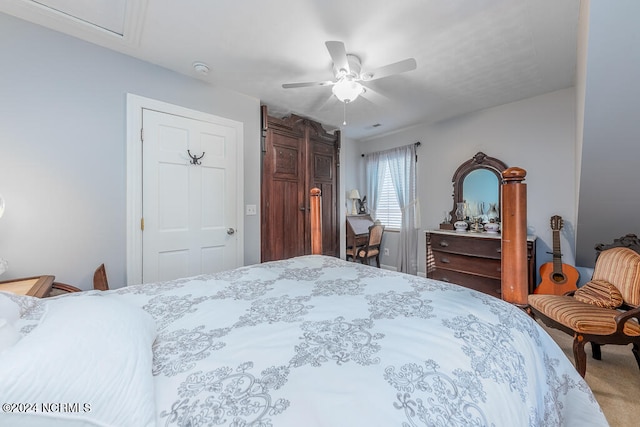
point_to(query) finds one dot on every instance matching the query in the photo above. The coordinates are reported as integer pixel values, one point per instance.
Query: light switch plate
(251, 210)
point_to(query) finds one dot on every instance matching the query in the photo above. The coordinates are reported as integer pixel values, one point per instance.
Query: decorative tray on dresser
(472, 259)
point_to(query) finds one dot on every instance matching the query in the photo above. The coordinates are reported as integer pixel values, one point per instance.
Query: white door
(189, 197)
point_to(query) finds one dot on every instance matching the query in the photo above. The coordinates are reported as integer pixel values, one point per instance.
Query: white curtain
(402, 166)
(375, 174)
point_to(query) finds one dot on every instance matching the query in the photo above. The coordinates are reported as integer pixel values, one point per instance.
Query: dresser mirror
(477, 182)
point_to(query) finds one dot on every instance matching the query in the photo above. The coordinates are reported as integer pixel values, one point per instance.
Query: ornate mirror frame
(479, 161)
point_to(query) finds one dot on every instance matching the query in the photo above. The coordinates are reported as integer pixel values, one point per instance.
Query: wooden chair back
(375, 235)
(372, 248)
(100, 281)
(621, 267)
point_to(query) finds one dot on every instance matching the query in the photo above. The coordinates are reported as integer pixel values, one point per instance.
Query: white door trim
(135, 105)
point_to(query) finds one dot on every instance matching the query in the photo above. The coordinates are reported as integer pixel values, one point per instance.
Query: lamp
(354, 195)
(346, 90)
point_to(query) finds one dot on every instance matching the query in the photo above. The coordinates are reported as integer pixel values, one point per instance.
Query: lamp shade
(347, 90)
(353, 194)
(1, 206)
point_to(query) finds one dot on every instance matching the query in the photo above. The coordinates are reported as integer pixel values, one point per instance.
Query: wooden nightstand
(37, 286)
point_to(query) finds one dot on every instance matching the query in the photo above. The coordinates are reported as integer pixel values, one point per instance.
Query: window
(388, 212)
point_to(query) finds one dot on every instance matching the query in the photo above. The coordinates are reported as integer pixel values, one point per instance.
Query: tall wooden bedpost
(316, 222)
(514, 269)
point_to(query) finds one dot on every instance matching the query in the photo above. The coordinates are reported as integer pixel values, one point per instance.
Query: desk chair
(372, 248)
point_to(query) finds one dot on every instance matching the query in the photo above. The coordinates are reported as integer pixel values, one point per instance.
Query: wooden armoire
(297, 155)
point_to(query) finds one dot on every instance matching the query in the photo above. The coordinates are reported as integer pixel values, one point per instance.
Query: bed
(313, 341)
(309, 341)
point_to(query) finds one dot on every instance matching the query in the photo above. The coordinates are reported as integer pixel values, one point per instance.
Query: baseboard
(393, 268)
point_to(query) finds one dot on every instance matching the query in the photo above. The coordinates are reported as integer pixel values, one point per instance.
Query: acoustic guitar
(557, 278)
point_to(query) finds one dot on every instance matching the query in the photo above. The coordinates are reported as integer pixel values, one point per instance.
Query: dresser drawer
(474, 265)
(476, 246)
(472, 260)
(479, 283)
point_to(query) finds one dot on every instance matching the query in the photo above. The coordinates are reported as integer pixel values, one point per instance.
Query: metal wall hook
(195, 160)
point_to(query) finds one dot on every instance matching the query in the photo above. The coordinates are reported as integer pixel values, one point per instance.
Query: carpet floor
(614, 380)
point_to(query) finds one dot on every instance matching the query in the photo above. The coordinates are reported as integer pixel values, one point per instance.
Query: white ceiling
(471, 54)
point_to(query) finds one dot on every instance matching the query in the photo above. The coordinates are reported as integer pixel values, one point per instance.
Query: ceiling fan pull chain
(344, 114)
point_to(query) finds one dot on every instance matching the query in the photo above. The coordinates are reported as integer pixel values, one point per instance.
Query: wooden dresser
(472, 260)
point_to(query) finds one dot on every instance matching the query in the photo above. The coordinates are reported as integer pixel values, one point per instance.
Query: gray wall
(610, 170)
(63, 147)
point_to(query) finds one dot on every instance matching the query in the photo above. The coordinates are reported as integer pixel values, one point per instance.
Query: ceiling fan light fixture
(347, 90)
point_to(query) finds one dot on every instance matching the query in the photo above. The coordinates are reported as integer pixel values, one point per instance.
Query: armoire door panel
(284, 214)
(323, 167)
(282, 197)
(286, 161)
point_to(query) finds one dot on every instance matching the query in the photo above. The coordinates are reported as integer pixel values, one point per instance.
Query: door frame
(135, 106)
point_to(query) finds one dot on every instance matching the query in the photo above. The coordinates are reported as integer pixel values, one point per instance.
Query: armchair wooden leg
(527, 309)
(636, 352)
(580, 357)
(595, 351)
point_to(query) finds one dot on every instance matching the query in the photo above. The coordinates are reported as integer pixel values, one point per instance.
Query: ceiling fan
(348, 73)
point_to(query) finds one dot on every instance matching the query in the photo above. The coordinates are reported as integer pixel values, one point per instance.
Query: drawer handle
(444, 243)
(445, 260)
(445, 279)
(499, 269)
(499, 250)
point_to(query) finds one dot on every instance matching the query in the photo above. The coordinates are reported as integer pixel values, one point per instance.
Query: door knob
(230, 231)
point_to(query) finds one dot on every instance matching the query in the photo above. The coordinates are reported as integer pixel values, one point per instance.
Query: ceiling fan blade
(388, 70)
(374, 97)
(338, 55)
(307, 84)
(324, 103)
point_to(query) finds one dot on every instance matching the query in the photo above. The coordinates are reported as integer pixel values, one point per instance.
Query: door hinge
(141, 134)
(142, 224)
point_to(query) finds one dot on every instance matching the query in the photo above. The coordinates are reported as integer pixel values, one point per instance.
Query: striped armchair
(606, 310)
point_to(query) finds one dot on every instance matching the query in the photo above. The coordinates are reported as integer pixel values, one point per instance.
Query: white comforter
(317, 341)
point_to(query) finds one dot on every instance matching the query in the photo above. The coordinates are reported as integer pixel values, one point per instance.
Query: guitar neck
(557, 255)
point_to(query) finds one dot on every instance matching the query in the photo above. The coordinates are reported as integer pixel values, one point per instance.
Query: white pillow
(8, 309)
(91, 356)
(9, 313)
(9, 335)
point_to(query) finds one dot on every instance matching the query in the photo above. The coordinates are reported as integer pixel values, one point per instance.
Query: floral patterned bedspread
(317, 341)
